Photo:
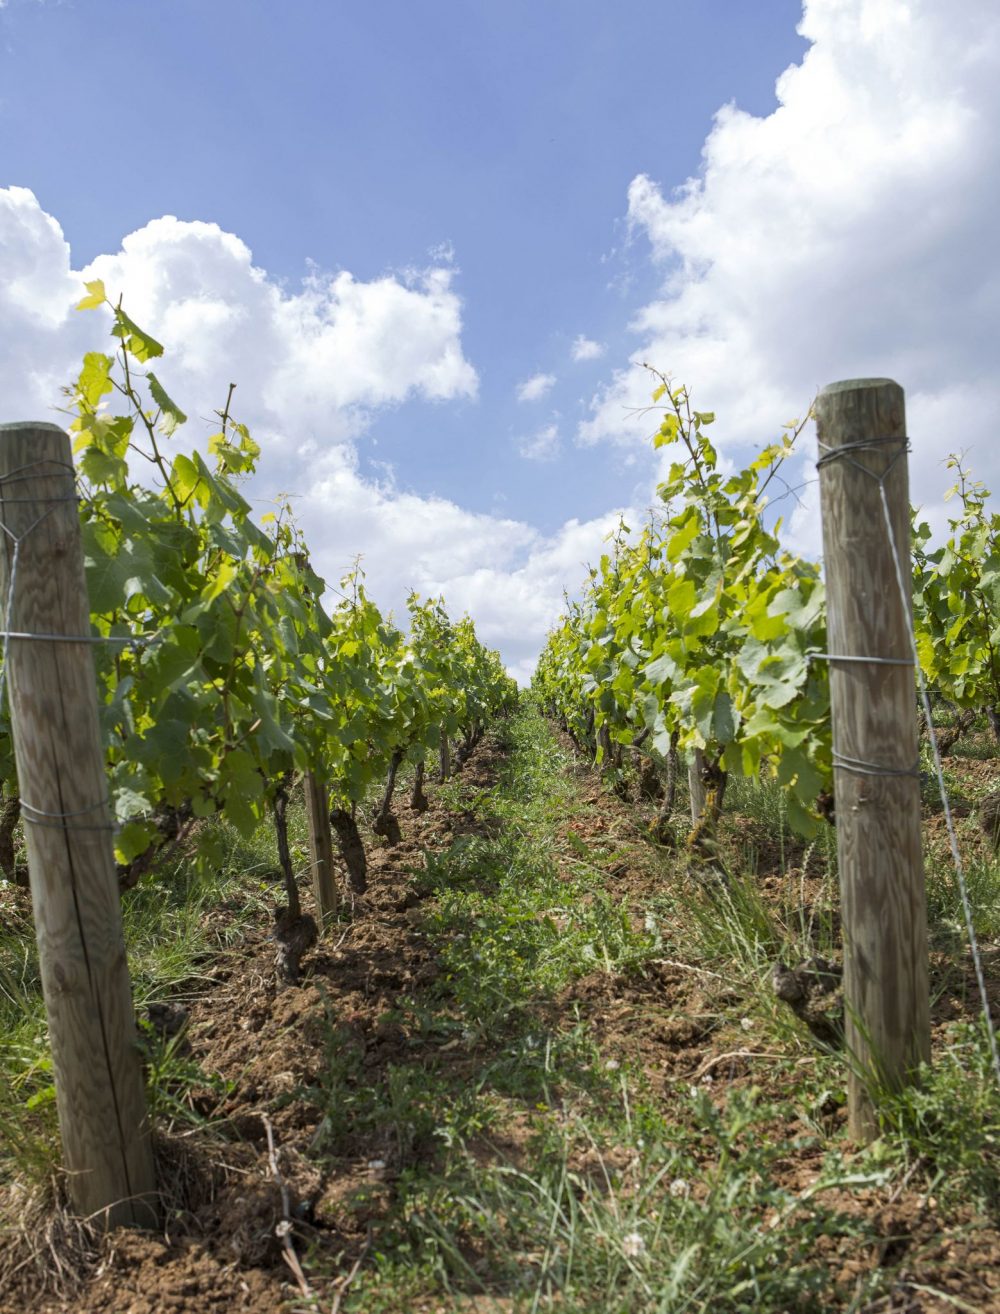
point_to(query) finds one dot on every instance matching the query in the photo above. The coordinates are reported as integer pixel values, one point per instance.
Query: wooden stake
(67, 823)
(320, 848)
(874, 721)
(696, 785)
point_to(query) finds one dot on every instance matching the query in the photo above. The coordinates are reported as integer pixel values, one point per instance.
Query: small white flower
(707, 1079)
(633, 1245)
(695, 1092)
(612, 1065)
(746, 1023)
(679, 1187)
(283, 1228)
(376, 1165)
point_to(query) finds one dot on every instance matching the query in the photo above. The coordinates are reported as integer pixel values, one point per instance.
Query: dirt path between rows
(268, 1044)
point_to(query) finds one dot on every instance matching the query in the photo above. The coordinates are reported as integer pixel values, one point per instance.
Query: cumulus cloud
(330, 353)
(542, 445)
(336, 347)
(41, 343)
(314, 366)
(508, 576)
(586, 348)
(535, 388)
(850, 233)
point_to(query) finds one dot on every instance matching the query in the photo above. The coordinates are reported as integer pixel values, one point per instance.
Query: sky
(432, 245)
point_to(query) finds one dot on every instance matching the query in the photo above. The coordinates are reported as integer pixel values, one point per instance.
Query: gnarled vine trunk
(948, 736)
(385, 824)
(352, 849)
(294, 931)
(662, 830)
(650, 783)
(418, 799)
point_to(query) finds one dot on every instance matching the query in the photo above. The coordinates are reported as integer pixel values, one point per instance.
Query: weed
(948, 1124)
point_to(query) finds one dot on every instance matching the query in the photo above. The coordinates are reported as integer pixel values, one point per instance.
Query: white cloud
(41, 345)
(317, 361)
(313, 367)
(543, 445)
(850, 233)
(336, 348)
(586, 348)
(535, 388)
(509, 577)
(442, 253)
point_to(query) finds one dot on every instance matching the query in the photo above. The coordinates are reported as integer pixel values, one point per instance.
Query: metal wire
(860, 767)
(872, 661)
(57, 820)
(74, 638)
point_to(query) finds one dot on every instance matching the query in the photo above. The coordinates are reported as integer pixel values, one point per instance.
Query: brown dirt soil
(268, 1041)
(675, 1021)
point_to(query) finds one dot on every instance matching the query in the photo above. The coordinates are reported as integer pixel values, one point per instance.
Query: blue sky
(500, 181)
(362, 136)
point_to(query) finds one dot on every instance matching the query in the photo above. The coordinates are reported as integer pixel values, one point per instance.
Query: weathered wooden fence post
(862, 435)
(696, 785)
(320, 848)
(97, 1071)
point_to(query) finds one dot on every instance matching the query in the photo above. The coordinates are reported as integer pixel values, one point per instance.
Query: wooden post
(96, 1063)
(320, 848)
(874, 735)
(696, 785)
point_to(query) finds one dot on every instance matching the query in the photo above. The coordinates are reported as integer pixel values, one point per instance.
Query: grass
(181, 919)
(948, 1125)
(604, 1197)
(532, 1159)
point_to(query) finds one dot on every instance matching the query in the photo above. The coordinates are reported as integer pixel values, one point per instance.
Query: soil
(268, 1041)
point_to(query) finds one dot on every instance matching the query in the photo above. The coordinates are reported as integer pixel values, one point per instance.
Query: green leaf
(95, 296)
(723, 718)
(94, 380)
(667, 432)
(134, 838)
(100, 468)
(129, 804)
(172, 416)
(137, 343)
(185, 478)
(288, 636)
(801, 820)
(663, 670)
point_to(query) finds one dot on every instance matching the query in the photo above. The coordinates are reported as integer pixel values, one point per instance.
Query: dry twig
(284, 1228)
(733, 1054)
